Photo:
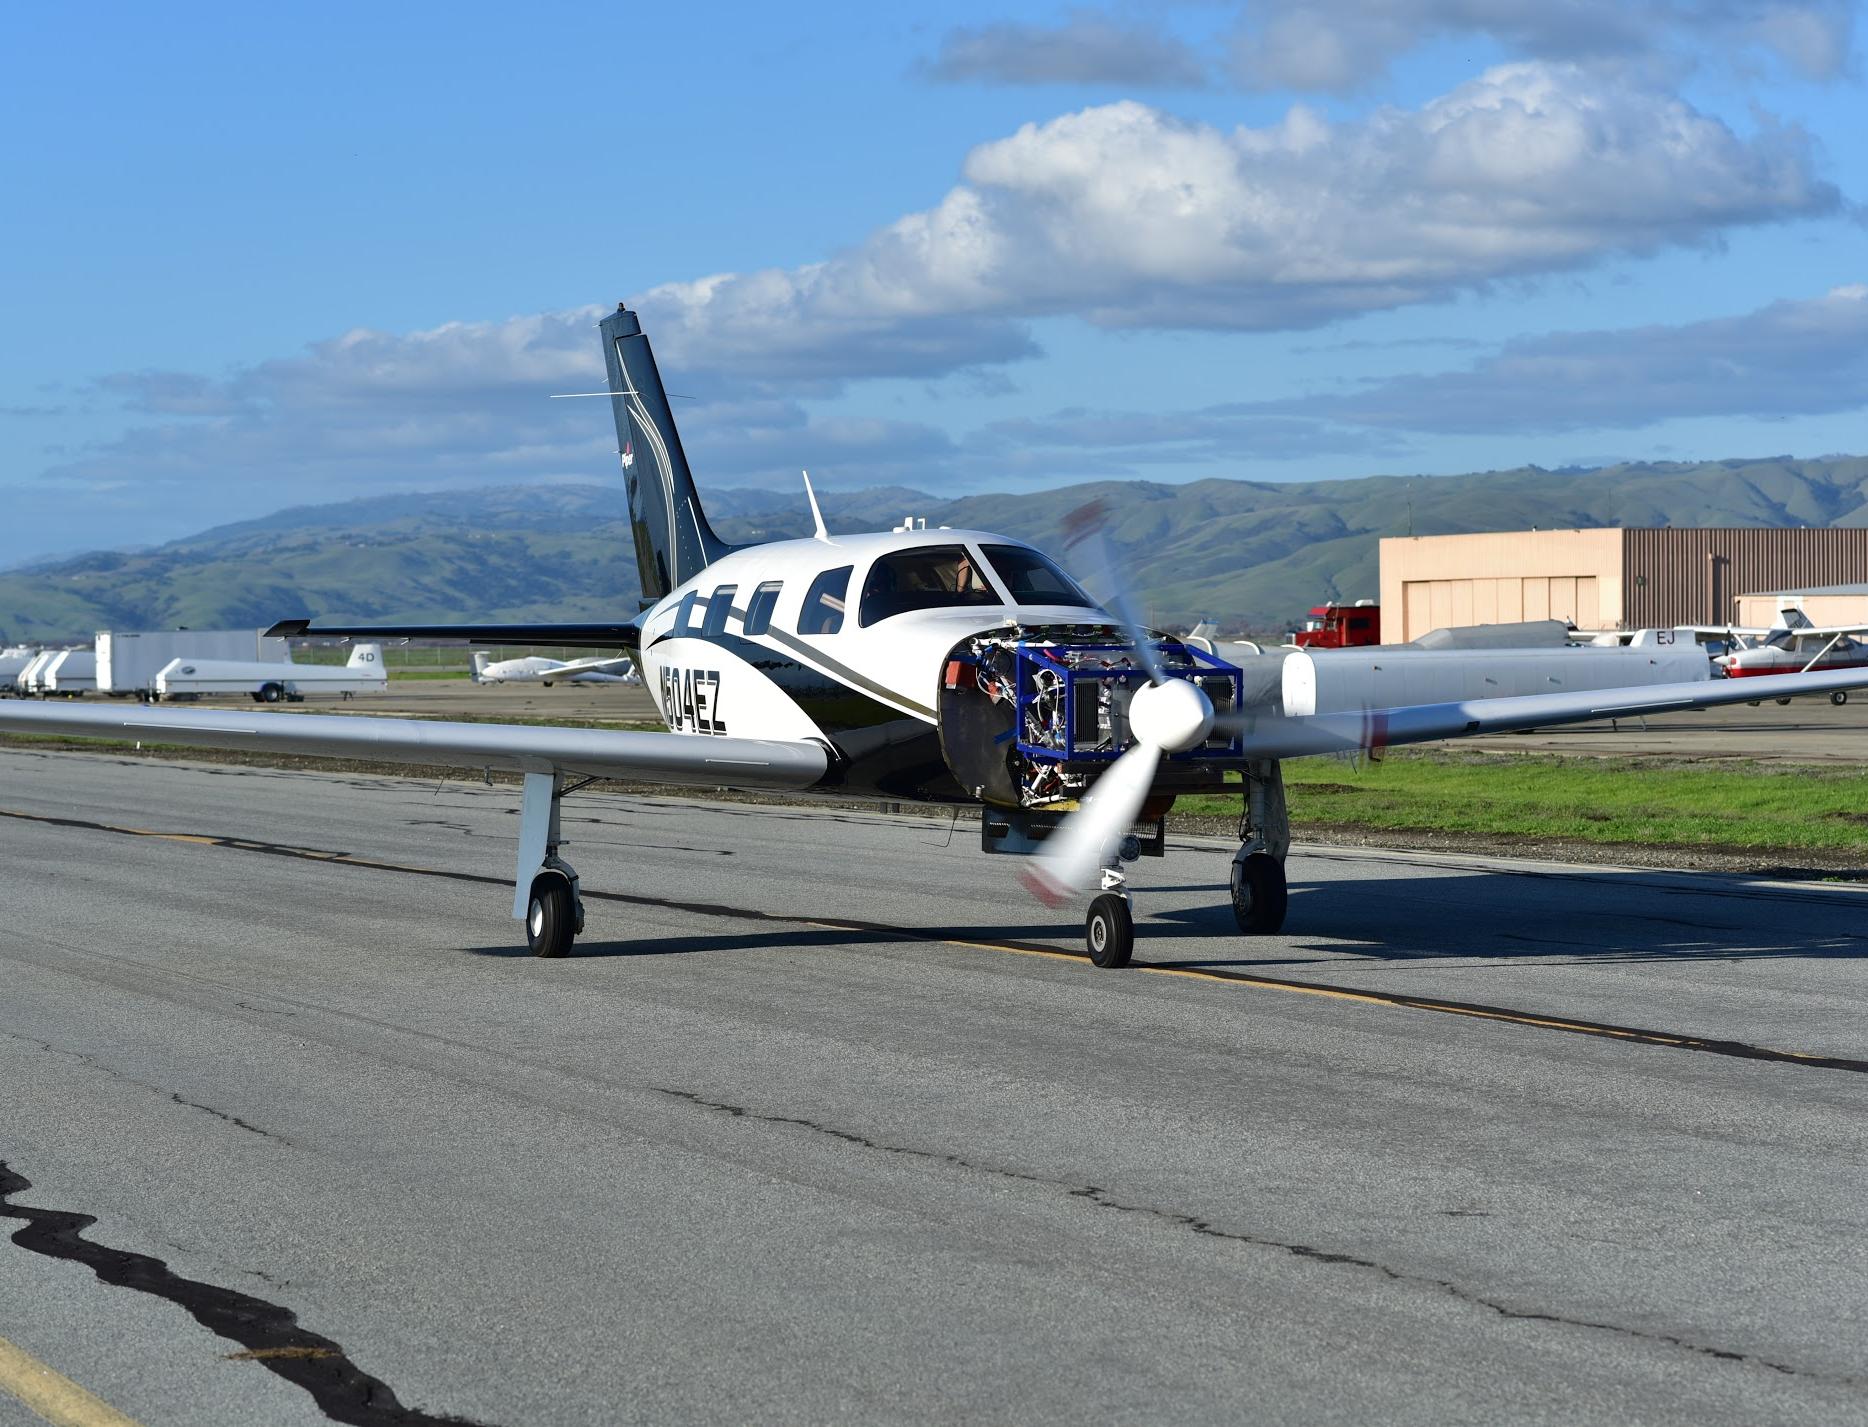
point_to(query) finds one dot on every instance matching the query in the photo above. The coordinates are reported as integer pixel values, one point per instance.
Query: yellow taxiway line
(52, 1395)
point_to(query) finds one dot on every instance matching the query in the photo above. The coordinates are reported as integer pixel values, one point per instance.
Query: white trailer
(270, 682)
(129, 660)
(27, 680)
(70, 673)
(13, 663)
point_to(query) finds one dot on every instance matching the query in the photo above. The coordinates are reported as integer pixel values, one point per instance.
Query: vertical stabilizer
(673, 540)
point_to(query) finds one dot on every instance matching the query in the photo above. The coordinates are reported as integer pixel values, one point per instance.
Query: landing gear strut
(545, 893)
(1260, 895)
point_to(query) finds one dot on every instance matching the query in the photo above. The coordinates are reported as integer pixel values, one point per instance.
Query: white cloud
(1088, 47)
(1128, 216)
(1791, 358)
(1121, 215)
(1339, 46)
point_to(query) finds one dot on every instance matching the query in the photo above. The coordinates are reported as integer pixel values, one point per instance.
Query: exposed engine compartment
(1030, 716)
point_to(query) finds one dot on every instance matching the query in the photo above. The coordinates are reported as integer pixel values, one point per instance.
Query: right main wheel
(1259, 894)
(551, 918)
(1110, 931)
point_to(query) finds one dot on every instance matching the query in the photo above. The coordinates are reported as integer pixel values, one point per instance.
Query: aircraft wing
(620, 665)
(695, 760)
(612, 635)
(1276, 736)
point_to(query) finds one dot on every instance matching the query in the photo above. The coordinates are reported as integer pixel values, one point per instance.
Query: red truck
(1341, 626)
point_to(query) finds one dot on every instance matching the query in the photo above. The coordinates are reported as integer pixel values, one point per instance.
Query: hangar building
(1826, 605)
(1605, 578)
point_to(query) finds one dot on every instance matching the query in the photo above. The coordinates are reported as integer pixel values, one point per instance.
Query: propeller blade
(1087, 544)
(1078, 851)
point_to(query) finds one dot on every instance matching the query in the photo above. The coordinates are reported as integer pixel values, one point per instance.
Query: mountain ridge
(1249, 553)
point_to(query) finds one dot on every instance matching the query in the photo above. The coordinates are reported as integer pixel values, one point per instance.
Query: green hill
(1245, 552)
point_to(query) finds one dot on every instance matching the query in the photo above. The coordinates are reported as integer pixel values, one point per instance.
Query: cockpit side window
(684, 613)
(1031, 579)
(822, 611)
(933, 577)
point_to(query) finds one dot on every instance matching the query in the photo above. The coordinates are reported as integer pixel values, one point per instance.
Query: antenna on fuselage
(817, 515)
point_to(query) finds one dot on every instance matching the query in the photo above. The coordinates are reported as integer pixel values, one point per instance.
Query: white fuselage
(537, 669)
(795, 679)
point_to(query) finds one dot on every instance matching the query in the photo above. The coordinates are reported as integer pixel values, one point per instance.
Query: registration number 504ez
(691, 700)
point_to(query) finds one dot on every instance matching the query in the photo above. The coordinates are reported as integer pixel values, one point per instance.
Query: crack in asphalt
(267, 1333)
(174, 1095)
(1193, 1223)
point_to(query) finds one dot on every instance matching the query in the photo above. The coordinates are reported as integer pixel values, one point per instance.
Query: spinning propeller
(1167, 715)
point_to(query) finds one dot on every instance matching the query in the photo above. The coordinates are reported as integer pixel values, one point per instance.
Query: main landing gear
(545, 892)
(1260, 894)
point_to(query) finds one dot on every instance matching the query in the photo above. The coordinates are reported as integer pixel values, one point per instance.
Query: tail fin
(480, 662)
(673, 540)
(1792, 617)
(367, 656)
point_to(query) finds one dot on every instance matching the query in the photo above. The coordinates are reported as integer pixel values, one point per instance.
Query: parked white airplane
(948, 666)
(1795, 646)
(537, 669)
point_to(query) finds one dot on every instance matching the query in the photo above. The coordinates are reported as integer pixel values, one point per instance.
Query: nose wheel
(1109, 931)
(1260, 895)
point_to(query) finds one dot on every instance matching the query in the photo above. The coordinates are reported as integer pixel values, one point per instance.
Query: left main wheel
(1260, 895)
(1110, 931)
(550, 918)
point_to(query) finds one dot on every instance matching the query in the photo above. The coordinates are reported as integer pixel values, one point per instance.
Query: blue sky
(265, 256)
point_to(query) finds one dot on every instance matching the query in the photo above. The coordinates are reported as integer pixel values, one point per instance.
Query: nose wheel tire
(1259, 893)
(1839, 697)
(1109, 931)
(550, 918)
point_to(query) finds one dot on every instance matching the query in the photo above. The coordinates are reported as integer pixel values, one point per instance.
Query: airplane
(1796, 646)
(537, 669)
(943, 666)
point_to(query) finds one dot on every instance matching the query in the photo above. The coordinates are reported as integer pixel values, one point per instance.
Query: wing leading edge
(686, 759)
(1275, 736)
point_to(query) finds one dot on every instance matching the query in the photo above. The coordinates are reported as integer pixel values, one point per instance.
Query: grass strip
(1748, 805)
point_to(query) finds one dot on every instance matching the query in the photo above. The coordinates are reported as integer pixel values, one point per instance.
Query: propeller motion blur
(941, 666)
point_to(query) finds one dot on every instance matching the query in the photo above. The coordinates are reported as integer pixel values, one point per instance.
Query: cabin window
(684, 613)
(759, 608)
(1031, 579)
(935, 577)
(823, 602)
(719, 606)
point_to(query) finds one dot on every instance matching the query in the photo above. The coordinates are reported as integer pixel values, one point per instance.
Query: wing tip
(288, 629)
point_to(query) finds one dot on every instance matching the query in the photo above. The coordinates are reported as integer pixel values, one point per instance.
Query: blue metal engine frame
(1075, 665)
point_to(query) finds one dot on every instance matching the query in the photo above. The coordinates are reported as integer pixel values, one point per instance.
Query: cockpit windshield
(933, 577)
(1031, 579)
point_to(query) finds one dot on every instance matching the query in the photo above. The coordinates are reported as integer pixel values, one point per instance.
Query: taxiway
(825, 1122)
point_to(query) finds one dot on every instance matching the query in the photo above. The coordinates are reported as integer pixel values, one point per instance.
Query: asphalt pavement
(826, 1122)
